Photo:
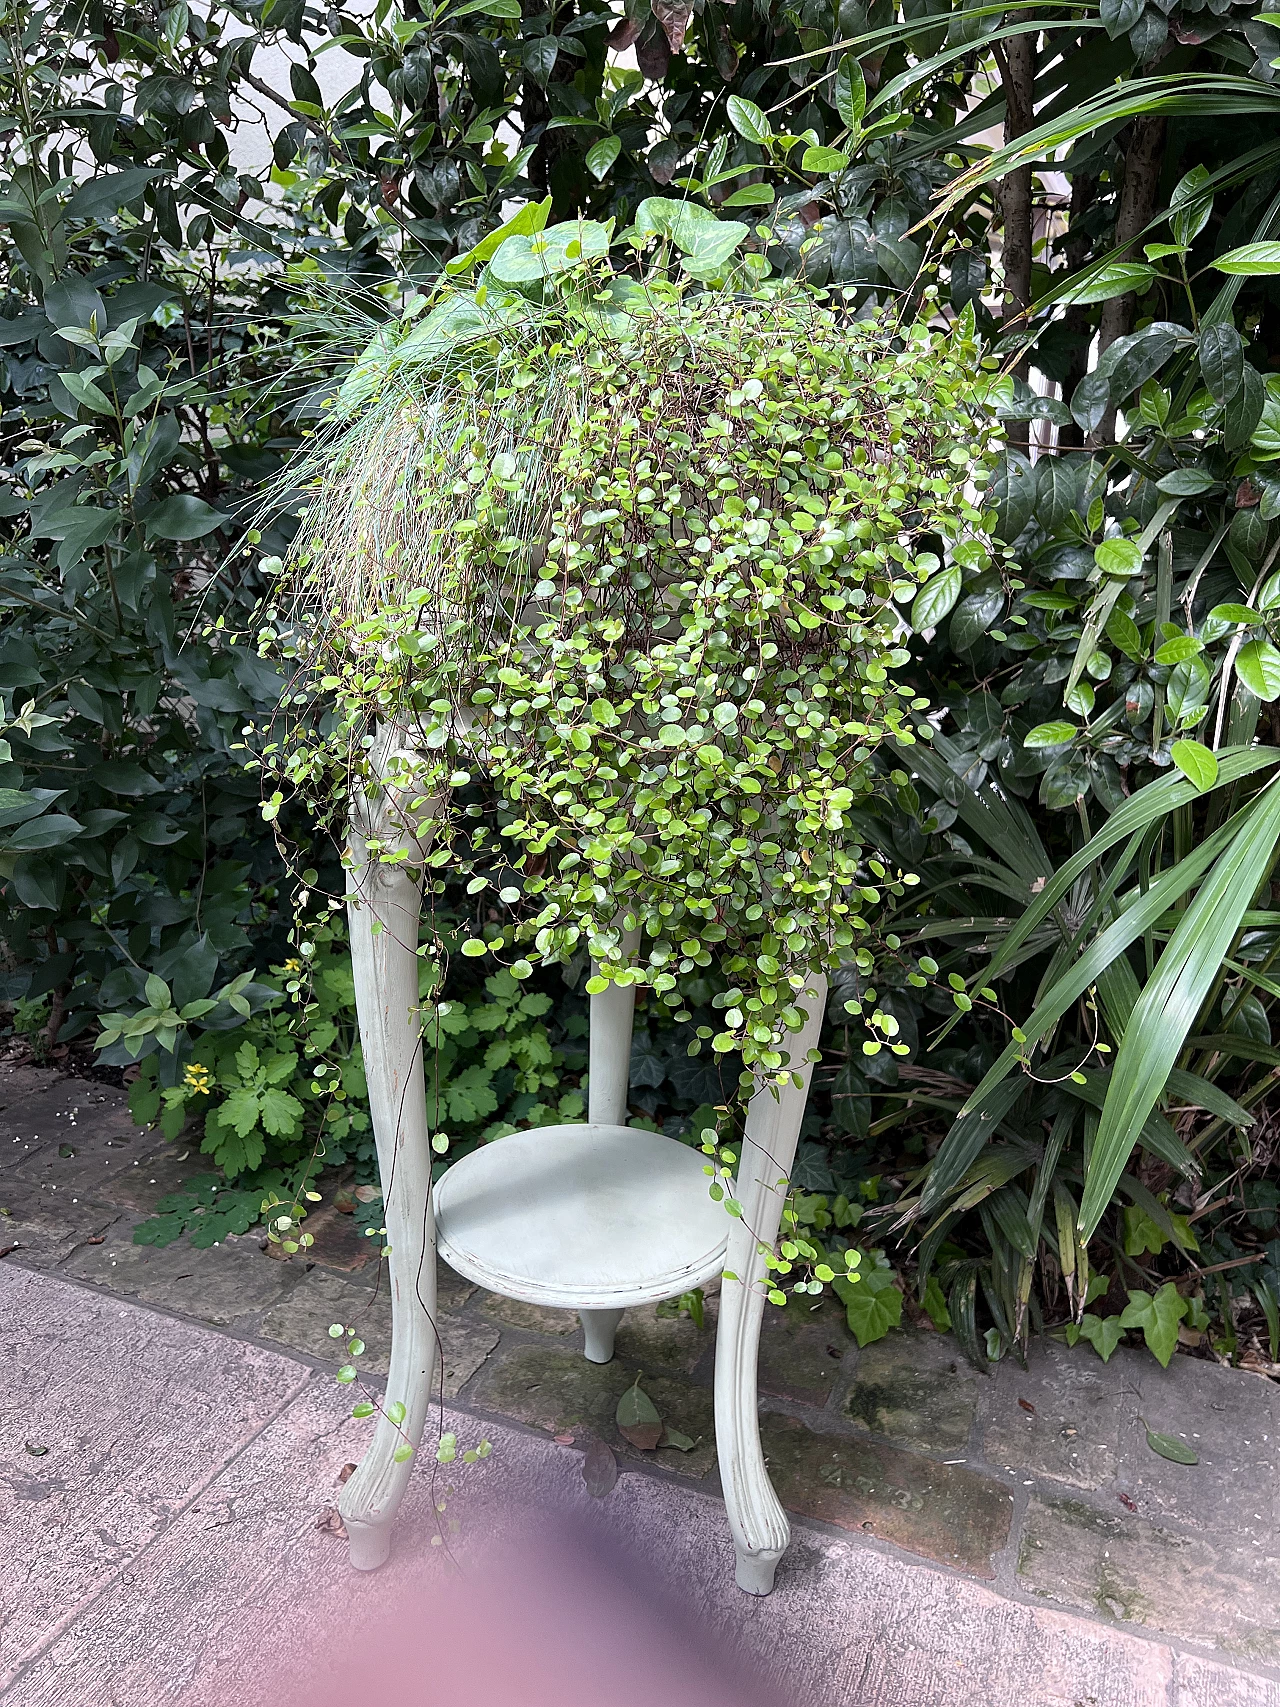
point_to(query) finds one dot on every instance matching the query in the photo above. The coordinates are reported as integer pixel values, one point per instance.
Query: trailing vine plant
(603, 547)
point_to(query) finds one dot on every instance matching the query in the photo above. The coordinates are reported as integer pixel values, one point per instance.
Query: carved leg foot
(755, 1571)
(599, 1327)
(758, 1523)
(371, 1497)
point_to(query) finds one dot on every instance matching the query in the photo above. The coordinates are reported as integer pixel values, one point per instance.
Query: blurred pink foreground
(561, 1619)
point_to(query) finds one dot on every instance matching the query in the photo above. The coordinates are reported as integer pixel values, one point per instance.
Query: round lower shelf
(581, 1217)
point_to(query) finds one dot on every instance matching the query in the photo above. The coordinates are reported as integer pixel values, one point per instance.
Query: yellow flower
(293, 966)
(197, 1079)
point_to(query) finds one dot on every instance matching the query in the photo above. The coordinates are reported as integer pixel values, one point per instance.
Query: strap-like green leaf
(1169, 1004)
(1141, 808)
(1137, 917)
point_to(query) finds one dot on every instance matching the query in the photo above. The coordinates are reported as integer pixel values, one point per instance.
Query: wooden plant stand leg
(759, 1525)
(385, 965)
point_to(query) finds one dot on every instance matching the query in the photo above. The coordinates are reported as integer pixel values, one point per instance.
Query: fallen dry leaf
(1027, 1406)
(346, 1473)
(1127, 1503)
(599, 1470)
(97, 1239)
(330, 1522)
(563, 1439)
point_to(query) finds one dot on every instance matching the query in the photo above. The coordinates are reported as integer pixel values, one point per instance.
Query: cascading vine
(619, 556)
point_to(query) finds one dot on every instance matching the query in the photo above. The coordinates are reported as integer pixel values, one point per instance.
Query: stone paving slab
(1231, 1419)
(220, 1285)
(234, 1579)
(43, 1232)
(943, 1511)
(1120, 1566)
(1200, 1684)
(560, 1392)
(1059, 1417)
(302, 1320)
(240, 1582)
(916, 1390)
(113, 1420)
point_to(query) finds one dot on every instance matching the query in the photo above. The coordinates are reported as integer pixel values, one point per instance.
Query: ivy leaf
(1158, 1317)
(872, 1303)
(1103, 1333)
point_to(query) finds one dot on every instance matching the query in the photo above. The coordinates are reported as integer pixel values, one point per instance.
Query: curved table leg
(759, 1525)
(383, 906)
